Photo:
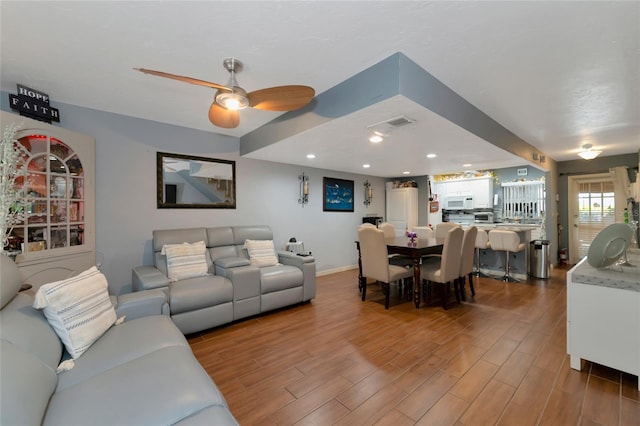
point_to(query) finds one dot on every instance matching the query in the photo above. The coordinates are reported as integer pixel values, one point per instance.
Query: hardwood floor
(499, 358)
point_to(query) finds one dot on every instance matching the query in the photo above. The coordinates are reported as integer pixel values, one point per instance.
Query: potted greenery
(11, 163)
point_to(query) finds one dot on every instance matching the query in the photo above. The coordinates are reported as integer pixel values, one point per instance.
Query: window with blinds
(596, 210)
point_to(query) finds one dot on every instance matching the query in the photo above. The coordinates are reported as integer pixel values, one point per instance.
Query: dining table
(414, 249)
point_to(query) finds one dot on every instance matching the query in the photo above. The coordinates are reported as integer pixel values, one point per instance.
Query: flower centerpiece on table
(411, 235)
(11, 163)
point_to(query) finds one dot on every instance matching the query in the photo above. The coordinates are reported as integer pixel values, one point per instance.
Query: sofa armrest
(148, 278)
(141, 304)
(289, 258)
(232, 262)
(308, 266)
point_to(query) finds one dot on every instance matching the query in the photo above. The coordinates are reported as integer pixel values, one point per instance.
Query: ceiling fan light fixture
(233, 100)
(588, 153)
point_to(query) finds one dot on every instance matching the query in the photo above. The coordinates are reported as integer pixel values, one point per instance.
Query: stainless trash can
(539, 258)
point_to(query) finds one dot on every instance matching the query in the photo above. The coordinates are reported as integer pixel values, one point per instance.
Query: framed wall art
(337, 195)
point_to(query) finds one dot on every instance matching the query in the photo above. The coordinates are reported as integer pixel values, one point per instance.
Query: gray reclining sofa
(235, 289)
(140, 372)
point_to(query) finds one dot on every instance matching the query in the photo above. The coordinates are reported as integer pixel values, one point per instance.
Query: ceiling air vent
(400, 121)
(383, 128)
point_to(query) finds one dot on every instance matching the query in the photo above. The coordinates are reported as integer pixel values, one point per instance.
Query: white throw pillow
(186, 260)
(261, 252)
(78, 309)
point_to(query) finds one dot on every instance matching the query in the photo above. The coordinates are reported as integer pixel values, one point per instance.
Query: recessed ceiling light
(431, 156)
(466, 165)
(366, 166)
(406, 173)
(311, 156)
(375, 139)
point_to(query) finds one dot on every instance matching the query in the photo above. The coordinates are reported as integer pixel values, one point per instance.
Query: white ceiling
(557, 74)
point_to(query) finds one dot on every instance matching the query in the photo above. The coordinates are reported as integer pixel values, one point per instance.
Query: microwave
(459, 202)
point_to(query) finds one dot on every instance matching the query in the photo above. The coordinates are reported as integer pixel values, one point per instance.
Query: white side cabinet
(402, 208)
(603, 324)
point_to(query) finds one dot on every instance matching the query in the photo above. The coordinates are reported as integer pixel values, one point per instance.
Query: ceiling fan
(230, 98)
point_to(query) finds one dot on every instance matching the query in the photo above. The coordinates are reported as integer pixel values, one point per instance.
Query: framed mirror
(188, 182)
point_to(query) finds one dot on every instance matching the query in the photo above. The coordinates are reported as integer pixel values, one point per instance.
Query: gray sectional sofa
(140, 372)
(235, 288)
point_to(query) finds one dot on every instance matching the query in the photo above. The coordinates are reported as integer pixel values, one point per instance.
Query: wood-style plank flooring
(499, 358)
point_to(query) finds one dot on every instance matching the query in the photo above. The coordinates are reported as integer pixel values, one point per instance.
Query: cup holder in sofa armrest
(289, 258)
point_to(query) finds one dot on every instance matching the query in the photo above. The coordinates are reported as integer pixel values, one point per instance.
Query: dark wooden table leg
(416, 282)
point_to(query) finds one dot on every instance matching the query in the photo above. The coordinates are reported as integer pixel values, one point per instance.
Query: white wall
(267, 193)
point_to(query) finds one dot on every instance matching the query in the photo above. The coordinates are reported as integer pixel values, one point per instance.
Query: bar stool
(482, 243)
(509, 242)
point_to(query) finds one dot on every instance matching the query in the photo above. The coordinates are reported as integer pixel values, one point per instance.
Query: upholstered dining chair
(424, 233)
(443, 228)
(360, 277)
(445, 269)
(375, 262)
(466, 260)
(509, 242)
(389, 236)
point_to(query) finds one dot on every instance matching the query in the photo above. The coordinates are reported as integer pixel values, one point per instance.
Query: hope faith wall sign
(33, 104)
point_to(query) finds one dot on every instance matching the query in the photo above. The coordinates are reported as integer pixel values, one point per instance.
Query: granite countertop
(625, 277)
(506, 226)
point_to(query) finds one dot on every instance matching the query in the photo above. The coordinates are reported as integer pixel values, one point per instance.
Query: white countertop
(625, 277)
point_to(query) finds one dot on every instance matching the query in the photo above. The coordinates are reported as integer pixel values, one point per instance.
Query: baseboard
(334, 270)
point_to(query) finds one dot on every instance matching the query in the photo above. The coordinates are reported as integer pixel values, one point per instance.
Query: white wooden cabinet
(603, 323)
(402, 208)
(57, 239)
(481, 189)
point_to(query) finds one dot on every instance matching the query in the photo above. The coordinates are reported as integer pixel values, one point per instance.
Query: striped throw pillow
(186, 260)
(261, 252)
(78, 309)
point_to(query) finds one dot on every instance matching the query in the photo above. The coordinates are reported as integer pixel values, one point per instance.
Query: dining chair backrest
(468, 247)
(450, 262)
(366, 225)
(482, 239)
(424, 233)
(373, 252)
(389, 231)
(443, 228)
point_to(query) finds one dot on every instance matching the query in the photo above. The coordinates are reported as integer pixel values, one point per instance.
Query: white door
(592, 207)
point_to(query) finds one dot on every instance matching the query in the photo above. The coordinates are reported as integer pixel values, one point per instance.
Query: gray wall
(267, 193)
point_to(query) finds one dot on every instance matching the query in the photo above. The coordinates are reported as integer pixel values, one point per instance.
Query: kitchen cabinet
(603, 316)
(402, 208)
(481, 189)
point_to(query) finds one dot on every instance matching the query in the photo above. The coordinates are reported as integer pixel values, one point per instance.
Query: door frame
(572, 187)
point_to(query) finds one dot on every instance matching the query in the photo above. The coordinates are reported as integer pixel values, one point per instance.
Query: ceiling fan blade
(281, 98)
(181, 78)
(223, 117)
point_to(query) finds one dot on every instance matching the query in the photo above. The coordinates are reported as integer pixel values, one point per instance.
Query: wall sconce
(368, 193)
(304, 189)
